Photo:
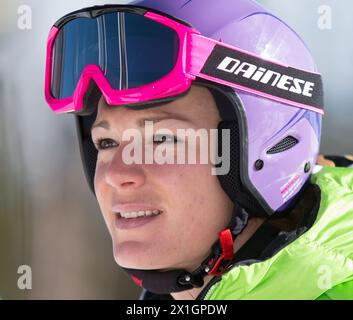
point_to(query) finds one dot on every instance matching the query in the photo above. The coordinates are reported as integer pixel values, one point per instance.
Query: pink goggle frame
(194, 52)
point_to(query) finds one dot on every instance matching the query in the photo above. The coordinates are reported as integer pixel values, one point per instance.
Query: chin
(131, 263)
(134, 255)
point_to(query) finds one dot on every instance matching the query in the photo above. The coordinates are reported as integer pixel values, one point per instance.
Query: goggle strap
(215, 61)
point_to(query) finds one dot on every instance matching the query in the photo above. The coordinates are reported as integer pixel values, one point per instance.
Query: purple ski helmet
(274, 146)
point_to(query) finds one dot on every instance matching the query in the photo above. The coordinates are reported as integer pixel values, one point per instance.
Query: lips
(133, 215)
(124, 224)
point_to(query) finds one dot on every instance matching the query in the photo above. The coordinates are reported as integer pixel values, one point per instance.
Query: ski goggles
(137, 55)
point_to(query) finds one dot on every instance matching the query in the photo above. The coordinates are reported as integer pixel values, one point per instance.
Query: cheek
(200, 210)
(200, 206)
(99, 180)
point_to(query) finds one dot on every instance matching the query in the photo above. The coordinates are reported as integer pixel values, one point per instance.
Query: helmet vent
(283, 145)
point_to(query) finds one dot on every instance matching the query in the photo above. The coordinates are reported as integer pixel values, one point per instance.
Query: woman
(254, 221)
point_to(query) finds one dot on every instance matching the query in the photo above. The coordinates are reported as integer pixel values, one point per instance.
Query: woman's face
(193, 206)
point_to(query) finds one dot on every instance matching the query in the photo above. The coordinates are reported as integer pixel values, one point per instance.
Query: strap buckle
(222, 254)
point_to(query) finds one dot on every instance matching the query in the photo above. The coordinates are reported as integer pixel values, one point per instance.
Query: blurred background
(49, 220)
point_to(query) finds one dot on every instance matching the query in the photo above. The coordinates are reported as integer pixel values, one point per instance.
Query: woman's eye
(164, 138)
(102, 144)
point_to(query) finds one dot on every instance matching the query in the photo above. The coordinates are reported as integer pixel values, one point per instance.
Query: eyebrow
(102, 124)
(141, 122)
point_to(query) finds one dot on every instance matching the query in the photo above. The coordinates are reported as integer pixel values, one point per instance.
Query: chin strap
(217, 263)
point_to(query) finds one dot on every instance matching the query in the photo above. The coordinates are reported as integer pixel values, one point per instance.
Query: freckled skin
(195, 206)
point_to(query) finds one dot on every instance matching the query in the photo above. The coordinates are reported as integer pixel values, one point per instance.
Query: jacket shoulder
(333, 228)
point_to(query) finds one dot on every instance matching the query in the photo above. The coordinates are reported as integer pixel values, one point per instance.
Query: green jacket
(317, 264)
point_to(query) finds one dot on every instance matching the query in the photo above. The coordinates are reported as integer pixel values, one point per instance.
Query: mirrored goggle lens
(131, 51)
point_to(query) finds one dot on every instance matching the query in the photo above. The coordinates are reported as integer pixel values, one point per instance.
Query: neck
(241, 239)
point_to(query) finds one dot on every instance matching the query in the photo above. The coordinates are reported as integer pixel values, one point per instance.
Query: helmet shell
(247, 25)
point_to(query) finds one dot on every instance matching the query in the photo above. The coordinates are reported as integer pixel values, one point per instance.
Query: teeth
(135, 214)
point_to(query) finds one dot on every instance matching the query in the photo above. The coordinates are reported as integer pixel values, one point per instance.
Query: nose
(122, 175)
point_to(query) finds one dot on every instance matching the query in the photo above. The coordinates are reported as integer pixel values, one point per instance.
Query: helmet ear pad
(87, 149)
(84, 124)
(234, 119)
(231, 182)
